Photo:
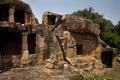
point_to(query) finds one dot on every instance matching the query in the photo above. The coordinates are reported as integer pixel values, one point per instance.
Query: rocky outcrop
(70, 22)
(58, 42)
(74, 36)
(79, 25)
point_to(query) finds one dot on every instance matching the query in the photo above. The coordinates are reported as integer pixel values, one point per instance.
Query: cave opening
(79, 49)
(31, 43)
(19, 16)
(51, 20)
(10, 45)
(4, 13)
(107, 58)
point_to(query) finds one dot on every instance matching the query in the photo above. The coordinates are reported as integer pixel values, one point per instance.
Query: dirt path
(36, 73)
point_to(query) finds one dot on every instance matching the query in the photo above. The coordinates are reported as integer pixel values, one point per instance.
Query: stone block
(49, 65)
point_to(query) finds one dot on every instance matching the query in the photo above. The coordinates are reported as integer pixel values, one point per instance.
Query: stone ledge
(6, 24)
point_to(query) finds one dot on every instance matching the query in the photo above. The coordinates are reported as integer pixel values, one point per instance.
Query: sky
(110, 9)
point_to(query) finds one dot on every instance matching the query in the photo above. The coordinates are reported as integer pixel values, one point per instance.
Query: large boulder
(79, 25)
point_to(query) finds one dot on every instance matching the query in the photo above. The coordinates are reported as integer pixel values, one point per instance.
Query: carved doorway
(107, 58)
(79, 49)
(10, 44)
(31, 43)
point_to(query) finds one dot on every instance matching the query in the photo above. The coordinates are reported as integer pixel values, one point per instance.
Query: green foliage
(112, 38)
(117, 28)
(109, 33)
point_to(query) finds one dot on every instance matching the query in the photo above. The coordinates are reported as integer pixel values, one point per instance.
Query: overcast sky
(109, 8)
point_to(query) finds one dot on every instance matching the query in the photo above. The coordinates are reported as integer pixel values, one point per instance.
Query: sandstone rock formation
(76, 37)
(59, 41)
(79, 25)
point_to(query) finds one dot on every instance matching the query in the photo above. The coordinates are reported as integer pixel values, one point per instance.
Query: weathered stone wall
(76, 37)
(70, 41)
(70, 37)
(43, 43)
(88, 41)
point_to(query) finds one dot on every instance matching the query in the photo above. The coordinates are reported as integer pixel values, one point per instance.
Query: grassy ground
(113, 75)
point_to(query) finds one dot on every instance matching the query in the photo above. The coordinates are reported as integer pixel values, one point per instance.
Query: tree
(117, 28)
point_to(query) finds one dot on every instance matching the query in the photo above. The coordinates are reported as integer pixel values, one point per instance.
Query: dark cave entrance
(31, 43)
(51, 20)
(19, 16)
(4, 13)
(10, 44)
(107, 58)
(79, 49)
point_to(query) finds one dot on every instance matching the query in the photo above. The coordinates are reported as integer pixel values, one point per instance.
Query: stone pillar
(25, 52)
(11, 14)
(40, 48)
(33, 20)
(27, 18)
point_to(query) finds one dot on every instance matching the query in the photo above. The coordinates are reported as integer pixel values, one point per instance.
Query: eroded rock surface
(37, 73)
